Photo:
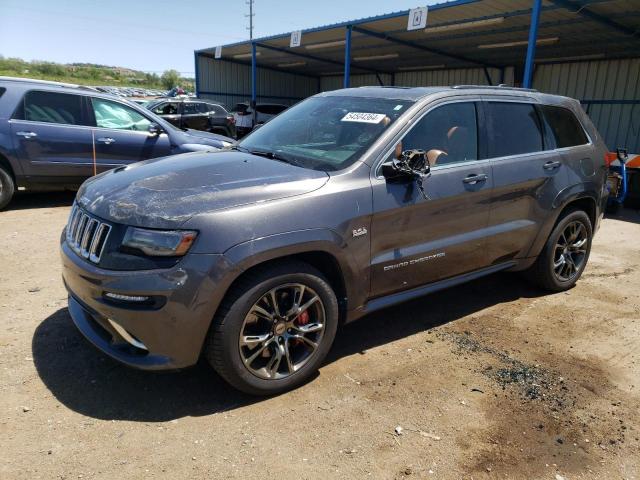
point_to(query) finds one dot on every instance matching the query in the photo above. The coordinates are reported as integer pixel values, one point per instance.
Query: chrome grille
(86, 235)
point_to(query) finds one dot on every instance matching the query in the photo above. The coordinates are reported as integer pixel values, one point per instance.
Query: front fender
(253, 252)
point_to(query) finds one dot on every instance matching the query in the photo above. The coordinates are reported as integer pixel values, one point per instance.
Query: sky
(155, 35)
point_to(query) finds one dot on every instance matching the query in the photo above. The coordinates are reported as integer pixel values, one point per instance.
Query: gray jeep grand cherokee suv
(348, 202)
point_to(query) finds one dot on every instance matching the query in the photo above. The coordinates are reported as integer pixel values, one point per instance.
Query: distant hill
(92, 74)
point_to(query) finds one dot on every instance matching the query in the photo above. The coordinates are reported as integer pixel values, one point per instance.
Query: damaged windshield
(325, 133)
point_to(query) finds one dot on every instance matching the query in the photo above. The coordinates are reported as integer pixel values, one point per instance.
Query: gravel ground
(493, 379)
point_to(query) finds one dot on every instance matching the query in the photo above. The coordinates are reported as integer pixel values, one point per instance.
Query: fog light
(126, 298)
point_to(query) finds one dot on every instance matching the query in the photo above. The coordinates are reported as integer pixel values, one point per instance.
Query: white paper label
(296, 39)
(218, 52)
(363, 117)
(417, 18)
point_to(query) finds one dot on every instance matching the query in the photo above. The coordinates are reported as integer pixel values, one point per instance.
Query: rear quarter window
(2, 90)
(566, 130)
(51, 107)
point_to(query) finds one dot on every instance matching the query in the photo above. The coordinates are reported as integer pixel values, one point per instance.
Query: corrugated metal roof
(459, 33)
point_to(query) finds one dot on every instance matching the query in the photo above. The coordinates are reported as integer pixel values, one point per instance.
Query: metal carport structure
(587, 49)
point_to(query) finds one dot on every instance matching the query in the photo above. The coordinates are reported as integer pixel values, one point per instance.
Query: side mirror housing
(155, 129)
(410, 165)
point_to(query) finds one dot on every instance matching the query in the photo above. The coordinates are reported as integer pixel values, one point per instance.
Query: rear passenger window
(52, 107)
(565, 127)
(515, 128)
(448, 134)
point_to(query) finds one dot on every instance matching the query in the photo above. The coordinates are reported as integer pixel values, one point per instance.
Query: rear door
(195, 115)
(418, 239)
(169, 111)
(122, 135)
(527, 176)
(52, 137)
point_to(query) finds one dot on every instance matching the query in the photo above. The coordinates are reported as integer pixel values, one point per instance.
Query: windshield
(325, 133)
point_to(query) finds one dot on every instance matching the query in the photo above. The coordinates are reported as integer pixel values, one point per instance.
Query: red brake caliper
(302, 319)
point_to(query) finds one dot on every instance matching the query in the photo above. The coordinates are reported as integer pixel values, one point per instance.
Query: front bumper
(172, 330)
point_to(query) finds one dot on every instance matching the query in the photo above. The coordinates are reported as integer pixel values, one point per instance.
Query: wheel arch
(582, 200)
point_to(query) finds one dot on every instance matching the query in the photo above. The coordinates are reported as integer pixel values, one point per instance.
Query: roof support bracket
(580, 8)
(418, 46)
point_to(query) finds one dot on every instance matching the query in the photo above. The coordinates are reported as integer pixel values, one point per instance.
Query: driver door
(122, 135)
(417, 240)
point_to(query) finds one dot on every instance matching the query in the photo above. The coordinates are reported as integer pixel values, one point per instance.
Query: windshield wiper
(273, 156)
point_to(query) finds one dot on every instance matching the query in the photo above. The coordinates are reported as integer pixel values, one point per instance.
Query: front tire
(565, 255)
(7, 188)
(274, 328)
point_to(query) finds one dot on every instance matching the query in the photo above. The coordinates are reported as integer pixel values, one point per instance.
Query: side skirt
(388, 300)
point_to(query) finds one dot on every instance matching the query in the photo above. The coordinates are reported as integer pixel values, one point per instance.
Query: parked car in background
(196, 114)
(351, 201)
(244, 115)
(54, 136)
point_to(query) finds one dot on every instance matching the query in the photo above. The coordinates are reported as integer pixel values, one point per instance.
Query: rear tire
(565, 255)
(7, 188)
(262, 352)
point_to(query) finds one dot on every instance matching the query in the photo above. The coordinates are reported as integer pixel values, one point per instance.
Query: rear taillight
(231, 120)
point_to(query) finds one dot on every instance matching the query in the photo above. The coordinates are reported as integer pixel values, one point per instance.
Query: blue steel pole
(347, 57)
(533, 39)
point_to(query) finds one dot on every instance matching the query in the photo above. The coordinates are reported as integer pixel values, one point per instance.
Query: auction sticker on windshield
(363, 117)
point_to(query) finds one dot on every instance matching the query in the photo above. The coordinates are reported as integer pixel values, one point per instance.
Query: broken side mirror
(411, 164)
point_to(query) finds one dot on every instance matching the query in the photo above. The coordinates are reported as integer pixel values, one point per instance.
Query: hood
(166, 192)
(198, 136)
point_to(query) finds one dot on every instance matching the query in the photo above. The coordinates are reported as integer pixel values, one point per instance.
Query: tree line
(92, 74)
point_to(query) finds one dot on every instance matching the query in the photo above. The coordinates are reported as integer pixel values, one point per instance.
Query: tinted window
(2, 90)
(193, 108)
(515, 127)
(564, 126)
(115, 115)
(217, 109)
(52, 107)
(448, 134)
(166, 109)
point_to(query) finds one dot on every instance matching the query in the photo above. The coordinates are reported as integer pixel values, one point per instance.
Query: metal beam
(254, 89)
(580, 8)
(347, 57)
(418, 46)
(310, 57)
(197, 73)
(531, 48)
(487, 75)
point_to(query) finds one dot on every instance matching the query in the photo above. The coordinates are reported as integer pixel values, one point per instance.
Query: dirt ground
(493, 379)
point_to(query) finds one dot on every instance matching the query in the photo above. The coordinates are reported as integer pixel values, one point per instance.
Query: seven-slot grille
(86, 235)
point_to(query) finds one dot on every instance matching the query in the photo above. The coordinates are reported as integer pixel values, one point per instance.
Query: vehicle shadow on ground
(24, 201)
(626, 215)
(88, 382)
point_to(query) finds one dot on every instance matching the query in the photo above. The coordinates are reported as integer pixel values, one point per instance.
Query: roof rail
(46, 82)
(502, 86)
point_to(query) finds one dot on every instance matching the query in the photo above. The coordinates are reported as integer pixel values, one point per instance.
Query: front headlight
(159, 243)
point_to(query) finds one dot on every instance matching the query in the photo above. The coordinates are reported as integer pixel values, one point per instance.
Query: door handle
(27, 134)
(106, 140)
(551, 165)
(474, 179)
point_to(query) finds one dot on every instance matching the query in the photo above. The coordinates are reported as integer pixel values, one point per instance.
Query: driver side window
(117, 116)
(449, 134)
